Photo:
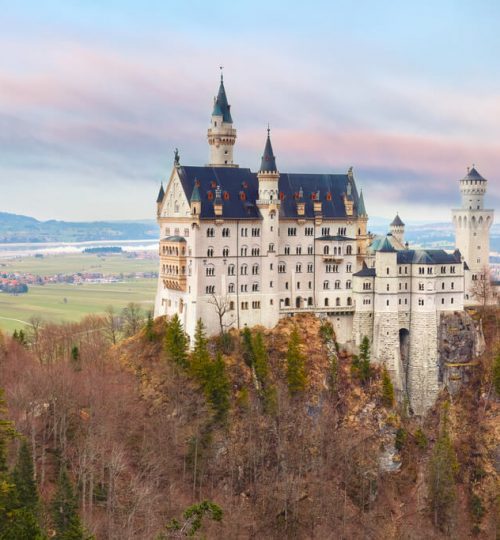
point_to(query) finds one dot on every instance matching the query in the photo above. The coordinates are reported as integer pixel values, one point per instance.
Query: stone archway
(404, 353)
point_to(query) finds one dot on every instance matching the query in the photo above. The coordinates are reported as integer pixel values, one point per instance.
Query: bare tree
(132, 318)
(222, 306)
(481, 288)
(113, 324)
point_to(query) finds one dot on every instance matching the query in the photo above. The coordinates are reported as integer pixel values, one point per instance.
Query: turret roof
(195, 194)
(386, 247)
(268, 163)
(365, 271)
(361, 205)
(161, 194)
(472, 174)
(396, 222)
(221, 105)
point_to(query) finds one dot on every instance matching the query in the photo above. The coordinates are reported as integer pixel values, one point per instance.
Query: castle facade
(239, 248)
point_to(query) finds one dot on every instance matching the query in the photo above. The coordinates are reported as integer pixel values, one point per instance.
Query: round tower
(398, 229)
(221, 134)
(472, 225)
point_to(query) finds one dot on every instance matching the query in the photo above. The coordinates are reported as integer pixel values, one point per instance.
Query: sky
(95, 96)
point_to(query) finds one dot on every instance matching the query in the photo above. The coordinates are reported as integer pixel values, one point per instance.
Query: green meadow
(61, 302)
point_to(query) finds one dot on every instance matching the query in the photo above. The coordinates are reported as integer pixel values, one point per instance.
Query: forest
(121, 431)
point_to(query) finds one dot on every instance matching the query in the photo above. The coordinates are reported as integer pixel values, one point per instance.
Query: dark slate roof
(428, 256)
(221, 106)
(396, 222)
(336, 238)
(237, 181)
(472, 174)
(161, 194)
(365, 271)
(174, 239)
(268, 163)
(361, 205)
(466, 266)
(386, 247)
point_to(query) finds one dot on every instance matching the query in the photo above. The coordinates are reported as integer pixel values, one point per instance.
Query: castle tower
(472, 224)
(398, 229)
(269, 205)
(221, 135)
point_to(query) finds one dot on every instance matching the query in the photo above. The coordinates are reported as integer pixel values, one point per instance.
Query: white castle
(239, 248)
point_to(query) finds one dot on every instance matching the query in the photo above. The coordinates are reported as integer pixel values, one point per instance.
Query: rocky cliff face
(460, 343)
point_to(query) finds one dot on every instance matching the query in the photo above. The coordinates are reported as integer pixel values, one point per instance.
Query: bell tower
(221, 134)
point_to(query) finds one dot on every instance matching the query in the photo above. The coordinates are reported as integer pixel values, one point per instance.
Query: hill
(18, 229)
(144, 436)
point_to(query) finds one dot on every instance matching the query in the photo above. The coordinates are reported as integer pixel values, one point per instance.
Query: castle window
(225, 232)
(271, 302)
(225, 252)
(244, 287)
(210, 232)
(326, 302)
(406, 269)
(255, 269)
(230, 288)
(348, 250)
(255, 252)
(226, 195)
(406, 286)
(326, 285)
(244, 231)
(443, 269)
(420, 286)
(325, 231)
(387, 302)
(244, 306)
(310, 301)
(287, 250)
(420, 302)
(298, 268)
(442, 300)
(400, 284)
(452, 285)
(429, 270)
(292, 231)
(286, 285)
(255, 287)
(271, 248)
(452, 269)
(309, 231)
(243, 251)
(210, 252)
(310, 250)
(421, 270)
(210, 289)
(388, 286)
(348, 268)
(367, 286)
(281, 268)
(287, 302)
(231, 270)
(309, 284)
(452, 300)
(255, 232)
(442, 285)
(256, 305)
(337, 302)
(326, 250)
(210, 271)
(349, 301)
(298, 284)
(337, 284)
(348, 284)
(388, 270)
(271, 266)
(231, 306)
(270, 284)
(298, 250)
(399, 301)
(244, 270)
(309, 268)
(400, 270)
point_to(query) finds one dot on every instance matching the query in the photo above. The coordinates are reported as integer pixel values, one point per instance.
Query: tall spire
(161, 194)
(221, 105)
(361, 205)
(268, 163)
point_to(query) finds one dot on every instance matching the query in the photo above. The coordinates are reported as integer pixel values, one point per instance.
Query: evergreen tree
(387, 389)
(296, 374)
(64, 510)
(200, 358)
(217, 387)
(363, 361)
(149, 330)
(248, 352)
(24, 478)
(176, 342)
(260, 358)
(442, 473)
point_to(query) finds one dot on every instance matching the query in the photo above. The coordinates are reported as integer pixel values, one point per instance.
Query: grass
(48, 301)
(69, 264)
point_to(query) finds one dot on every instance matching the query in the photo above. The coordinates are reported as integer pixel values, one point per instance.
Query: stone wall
(386, 346)
(423, 369)
(460, 343)
(362, 326)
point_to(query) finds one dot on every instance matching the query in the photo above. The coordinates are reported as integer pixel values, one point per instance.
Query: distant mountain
(16, 228)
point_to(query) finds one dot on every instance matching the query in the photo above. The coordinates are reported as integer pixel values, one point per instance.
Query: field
(65, 302)
(68, 264)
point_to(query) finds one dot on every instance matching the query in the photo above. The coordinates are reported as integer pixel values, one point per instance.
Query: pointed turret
(268, 163)
(195, 200)
(161, 194)
(361, 205)
(398, 229)
(221, 135)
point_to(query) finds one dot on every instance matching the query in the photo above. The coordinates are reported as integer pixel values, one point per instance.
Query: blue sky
(94, 97)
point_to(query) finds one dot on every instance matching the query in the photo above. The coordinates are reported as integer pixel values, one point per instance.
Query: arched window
(298, 268)
(230, 288)
(225, 252)
(348, 250)
(337, 284)
(244, 270)
(287, 302)
(231, 270)
(210, 252)
(326, 302)
(326, 284)
(337, 302)
(310, 301)
(255, 269)
(348, 284)
(349, 301)
(210, 232)
(326, 250)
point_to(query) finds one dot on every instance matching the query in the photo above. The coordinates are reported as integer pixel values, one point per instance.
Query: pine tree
(363, 366)
(217, 387)
(176, 342)
(66, 520)
(149, 330)
(24, 478)
(200, 358)
(248, 347)
(296, 374)
(387, 389)
(442, 473)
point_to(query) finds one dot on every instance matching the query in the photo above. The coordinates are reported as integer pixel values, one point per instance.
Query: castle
(239, 248)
